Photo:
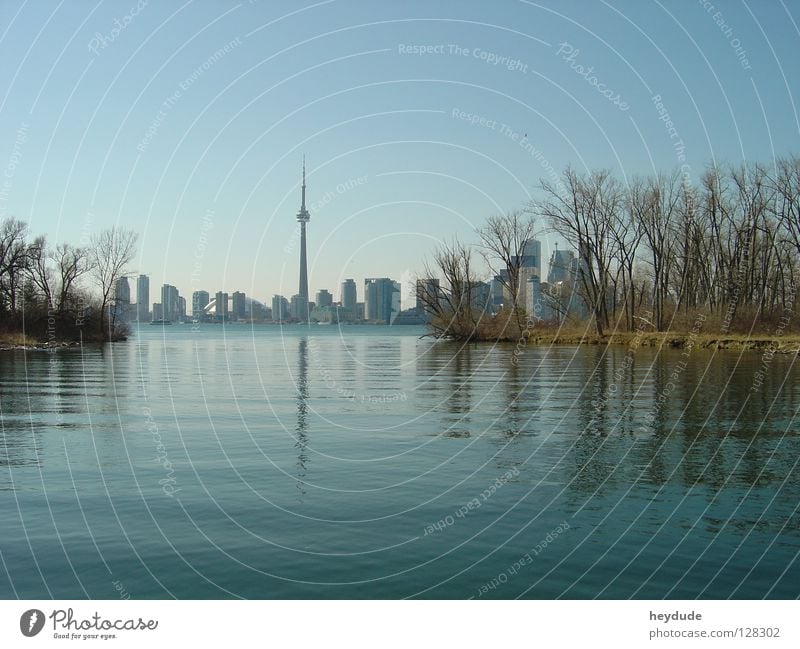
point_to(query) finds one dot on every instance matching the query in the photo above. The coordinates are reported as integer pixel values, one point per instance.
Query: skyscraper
(529, 264)
(324, 298)
(199, 303)
(280, 308)
(349, 297)
(221, 305)
(170, 306)
(239, 305)
(181, 308)
(381, 299)
(428, 293)
(561, 263)
(303, 217)
(120, 308)
(122, 291)
(143, 298)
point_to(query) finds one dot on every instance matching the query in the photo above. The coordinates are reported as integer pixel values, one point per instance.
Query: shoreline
(789, 344)
(675, 340)
(37, 347)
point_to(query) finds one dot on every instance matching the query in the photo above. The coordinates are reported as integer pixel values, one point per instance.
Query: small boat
(161, 322)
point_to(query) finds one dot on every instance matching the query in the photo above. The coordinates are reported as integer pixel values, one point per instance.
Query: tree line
(727, 246)
(61, 292)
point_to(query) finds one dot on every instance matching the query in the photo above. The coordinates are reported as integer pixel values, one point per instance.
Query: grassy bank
(789, 344)
(22, 341)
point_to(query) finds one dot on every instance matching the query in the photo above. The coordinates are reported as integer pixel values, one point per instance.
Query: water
(365, 462)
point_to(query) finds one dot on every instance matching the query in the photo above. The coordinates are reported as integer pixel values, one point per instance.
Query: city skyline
(200, 145)
(381, 296)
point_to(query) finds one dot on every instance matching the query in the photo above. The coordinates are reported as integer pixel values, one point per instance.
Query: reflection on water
(302, 409)
(365, 462)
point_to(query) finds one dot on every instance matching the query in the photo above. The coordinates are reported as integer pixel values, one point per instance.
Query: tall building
(561, 266)
(478, 295)
(221, 305)
(381, 299)
(143, 298)
(170, 303)
(299, 308)
(280, 308)
(122, 291)
(428, 292)
(200, 301)
(259, 311)
(535, 299)
(349, 296)
(120, 308)
(158, 312)
(238, 305)
(303, 217)
(532, 254)
(497, 289)
(324, 298)
(529, 264)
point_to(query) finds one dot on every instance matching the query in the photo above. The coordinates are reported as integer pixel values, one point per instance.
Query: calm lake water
(365, 462)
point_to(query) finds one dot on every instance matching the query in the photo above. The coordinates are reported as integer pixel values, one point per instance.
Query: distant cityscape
(381, 295)
(380, 303)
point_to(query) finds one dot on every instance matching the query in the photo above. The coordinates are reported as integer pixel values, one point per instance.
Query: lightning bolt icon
(32, 621)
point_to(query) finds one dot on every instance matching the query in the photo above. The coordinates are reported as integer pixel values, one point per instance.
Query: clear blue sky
(90, 137)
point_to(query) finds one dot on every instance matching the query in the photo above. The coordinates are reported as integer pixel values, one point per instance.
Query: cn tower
(303, 217)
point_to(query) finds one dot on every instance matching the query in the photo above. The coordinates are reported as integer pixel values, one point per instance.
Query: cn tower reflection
(301, 437)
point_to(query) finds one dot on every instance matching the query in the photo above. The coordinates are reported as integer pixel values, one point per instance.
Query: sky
(188, 121)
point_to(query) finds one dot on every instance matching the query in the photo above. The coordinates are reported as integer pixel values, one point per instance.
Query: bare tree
(626, 232)
(584, 216)
(787, 184)
(13, 262)
(657, 212)
(39, 270)
(455, 308)
(503, 241)
(70, 264)
(111, 251)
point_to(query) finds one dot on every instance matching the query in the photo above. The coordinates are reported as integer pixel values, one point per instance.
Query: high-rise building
(299, 308)
(537, 304)
(529, 264)
(200, 301)
(170, 304)
(561, 266)
(428, 293)
(122, 291)
(564, 283)
(482, 296)
(158, 312)
(532, 254)
(381, 299)
(143, 298)
(221, 305)
(349, 295)
(303, 217)
(259, 312)
(497, 289)
(238, 305)
(280, 308)
(478, 295)
(181, 308)
(324, 299)
(120, 307)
